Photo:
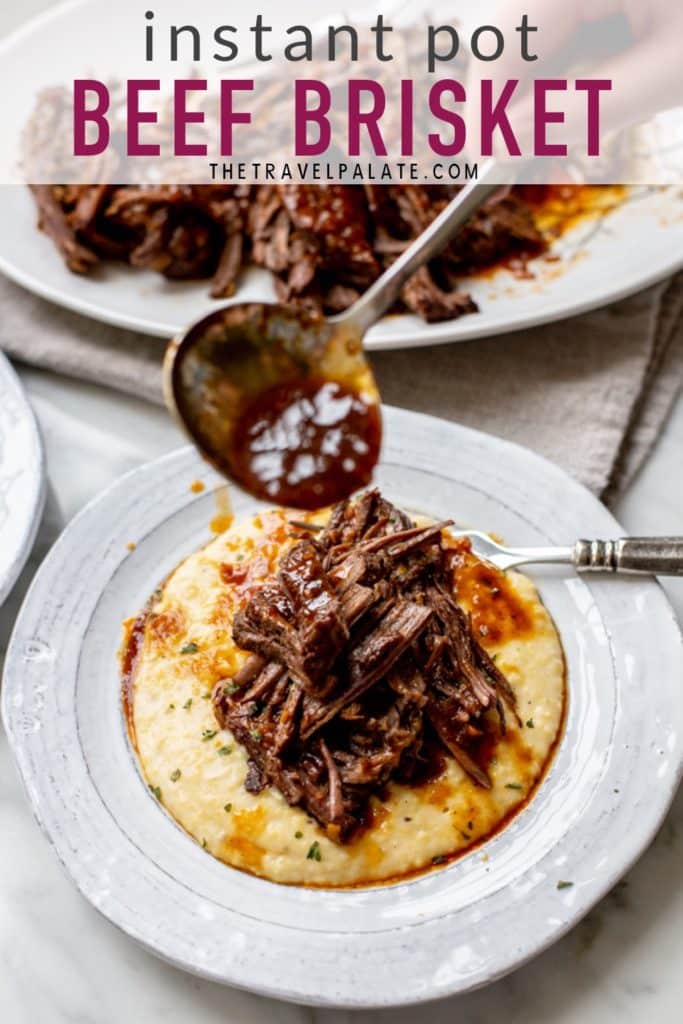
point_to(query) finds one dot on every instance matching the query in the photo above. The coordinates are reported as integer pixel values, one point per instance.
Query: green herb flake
(224, 751)
(255, 734)
(298, 835)
(314, 852)
(564, 885)
(230, 688)
(204, 844)
(188, 704)
(227, 808)
(175, 775)
(190, 648)
(209, 734)
(156, 790)
(171, 707)
(513, 785)
(206, 696)
(529, 723)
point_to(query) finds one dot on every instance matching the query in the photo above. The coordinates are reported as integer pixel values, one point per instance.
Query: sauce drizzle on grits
(409, 830)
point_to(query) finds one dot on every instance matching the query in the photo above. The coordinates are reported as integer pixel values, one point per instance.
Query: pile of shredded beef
(362, 669)
(325, 244)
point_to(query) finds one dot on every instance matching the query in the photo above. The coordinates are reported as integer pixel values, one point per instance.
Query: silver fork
(659, 556)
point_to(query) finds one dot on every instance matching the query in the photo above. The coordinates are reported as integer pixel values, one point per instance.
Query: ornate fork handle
(661, 556)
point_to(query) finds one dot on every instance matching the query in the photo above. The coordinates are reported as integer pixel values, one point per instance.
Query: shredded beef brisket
(362, 667)
(325, 244)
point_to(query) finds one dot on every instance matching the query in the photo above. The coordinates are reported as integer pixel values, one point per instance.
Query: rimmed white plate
(607, 791)
(601, 261)
(22, 478)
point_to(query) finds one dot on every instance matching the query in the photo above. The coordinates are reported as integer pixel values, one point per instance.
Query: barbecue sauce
(306, 443)
(134, 638)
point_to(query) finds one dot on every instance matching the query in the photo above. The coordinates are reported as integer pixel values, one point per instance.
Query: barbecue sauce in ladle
(306, 443)
(282, 400)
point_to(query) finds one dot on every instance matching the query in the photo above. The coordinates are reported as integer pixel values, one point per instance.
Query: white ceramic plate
(602, 261)
(22, 478)
(609, 787)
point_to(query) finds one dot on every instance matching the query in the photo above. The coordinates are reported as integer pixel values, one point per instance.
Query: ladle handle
(433, 240)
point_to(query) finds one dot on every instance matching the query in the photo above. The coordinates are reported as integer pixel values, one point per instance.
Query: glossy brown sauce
(306, 443)
(224, 517)
(556, 209)
(498, 612)
(134, 636)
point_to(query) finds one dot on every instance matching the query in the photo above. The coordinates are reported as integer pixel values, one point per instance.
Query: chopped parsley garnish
(314, 852)
(513, 785)
(255, 734)
(564, 885)
(190, 648)
(209, 734)
(298, 835)
(230, 688)
(188, 704)
(175, 775)
(206, 696)
(529, 723)
(171, 707)
(227, 808)
(204, 844)
(439, 859)
(223, 751)
(156, 790)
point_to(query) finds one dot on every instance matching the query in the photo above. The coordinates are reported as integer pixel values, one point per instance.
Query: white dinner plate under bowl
(613, 777)
(22, 478)
(601, 261)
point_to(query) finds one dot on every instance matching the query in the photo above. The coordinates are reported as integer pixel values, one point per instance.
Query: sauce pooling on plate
(306, 443)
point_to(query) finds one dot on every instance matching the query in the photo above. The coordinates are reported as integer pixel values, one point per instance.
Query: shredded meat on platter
(325, 244)
(362, 668)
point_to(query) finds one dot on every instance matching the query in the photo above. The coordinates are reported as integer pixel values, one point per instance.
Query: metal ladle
(218, 371)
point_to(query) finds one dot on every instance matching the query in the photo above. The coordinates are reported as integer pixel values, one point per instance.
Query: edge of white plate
(36, 459)
(443, 335)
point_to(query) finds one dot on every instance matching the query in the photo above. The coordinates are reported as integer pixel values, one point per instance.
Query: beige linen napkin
(590, 393)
